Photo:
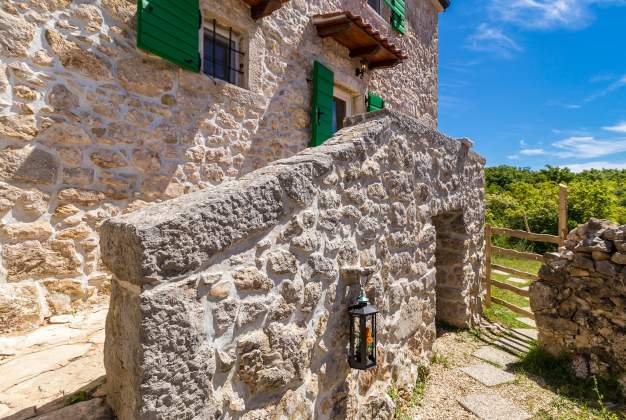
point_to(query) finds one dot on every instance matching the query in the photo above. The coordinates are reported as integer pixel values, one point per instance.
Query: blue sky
(536, 82)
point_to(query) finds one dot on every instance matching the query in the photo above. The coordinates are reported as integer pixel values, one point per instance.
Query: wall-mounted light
(362, 69)
(362, 349)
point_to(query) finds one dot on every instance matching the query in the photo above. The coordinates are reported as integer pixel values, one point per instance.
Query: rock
(250, 278)
(76, 58)
(62, 99)
(308, 242)
(29, 165)
(42, 58)
(488, 375)
(90, 15)
(8, 196)
(224, 314)
(24, 92)
(84, 198)
(94, 409)
(312, 294)
(320, 266)
(18, 127)
(108, 159)
(146, 160)
(492, 406)
(146, 76)
(122, 10)
(30, 259)
(292, 290)
(249, 311)
(80, 231)
(62, 133)
(619, 258)
(64, 296)
(282, 262)
(24, 231)
(32, 204)
(16, 35)
(66, 210)
(19, 307)
(380, 407)
(78, 176)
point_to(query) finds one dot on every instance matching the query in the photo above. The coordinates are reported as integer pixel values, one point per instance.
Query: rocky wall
(91, 127)
(580, 300)
(232, 302)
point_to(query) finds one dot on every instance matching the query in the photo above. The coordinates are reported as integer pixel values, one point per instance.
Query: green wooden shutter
(322, 104)
(398, 14)
(374, 103)
(170, 29)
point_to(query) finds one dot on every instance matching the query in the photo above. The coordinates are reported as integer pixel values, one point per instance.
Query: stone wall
(91, 127)
(232, 301)
(580, 300)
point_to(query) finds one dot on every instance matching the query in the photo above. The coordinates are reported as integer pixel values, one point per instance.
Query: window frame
(224, 35)
(346, 97)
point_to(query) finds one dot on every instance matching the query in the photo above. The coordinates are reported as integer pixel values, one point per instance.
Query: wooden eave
(261, 8)
(360, 38)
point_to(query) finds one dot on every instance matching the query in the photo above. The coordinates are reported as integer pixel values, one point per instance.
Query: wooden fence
(491, 250)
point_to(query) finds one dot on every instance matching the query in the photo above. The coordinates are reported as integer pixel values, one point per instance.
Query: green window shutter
(322, 104)
(374, 103)
(170, 29)
(398, 14)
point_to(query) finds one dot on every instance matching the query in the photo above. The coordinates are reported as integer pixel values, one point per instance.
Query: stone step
(488, 375)
(495, 355)
(487, 406)
(528, 321)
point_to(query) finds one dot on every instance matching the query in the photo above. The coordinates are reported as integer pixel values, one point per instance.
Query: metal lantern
(362, 352)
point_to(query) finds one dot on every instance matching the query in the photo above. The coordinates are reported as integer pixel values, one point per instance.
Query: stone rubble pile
(580, 300)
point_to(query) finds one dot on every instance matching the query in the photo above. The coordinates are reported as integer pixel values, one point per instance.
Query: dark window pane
(339, 113)
(375, 4)
(218, 59)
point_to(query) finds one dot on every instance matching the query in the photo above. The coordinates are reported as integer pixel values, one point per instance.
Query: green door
(170, 29)
(322, 104)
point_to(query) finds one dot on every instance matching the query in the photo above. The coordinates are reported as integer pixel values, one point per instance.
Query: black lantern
(362, 353)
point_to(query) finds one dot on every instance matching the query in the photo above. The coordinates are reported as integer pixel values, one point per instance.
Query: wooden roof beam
(364, 52)
(261, 8)
(332, 30)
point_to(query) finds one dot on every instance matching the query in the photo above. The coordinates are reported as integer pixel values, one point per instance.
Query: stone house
(106, 107)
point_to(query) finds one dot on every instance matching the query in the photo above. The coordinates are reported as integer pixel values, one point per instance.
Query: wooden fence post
(562, 213)
(488, 264)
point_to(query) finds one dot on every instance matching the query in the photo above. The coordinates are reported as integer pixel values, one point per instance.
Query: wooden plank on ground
(513, 307)
(518, 273)
(562, 213)
(538, 237)
(510, 288)
(516, 254)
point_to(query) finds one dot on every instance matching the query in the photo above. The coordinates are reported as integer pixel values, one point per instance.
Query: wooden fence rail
(490, 250)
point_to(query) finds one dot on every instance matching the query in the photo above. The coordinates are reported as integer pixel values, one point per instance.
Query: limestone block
(19, 307)
(108, 159)
(40, 230)
(146, 76)
(18, 127)
(73, 57)
(89, 15)
(80, 197)
(28, 164)
(250, 278)
(64, 296)
(16, 35)
(66, 134)
(78, 176)
(282, 262)
(30, 259)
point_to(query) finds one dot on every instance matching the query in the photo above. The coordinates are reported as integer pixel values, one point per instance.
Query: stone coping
(165, 241)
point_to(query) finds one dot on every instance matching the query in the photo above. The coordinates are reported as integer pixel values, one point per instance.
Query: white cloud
(618, 128)
(615, 85)
(579, 167)
(513, 157)
(533, 152)
(490, 39)
(548, 14)
(572, 106)
(588, 147)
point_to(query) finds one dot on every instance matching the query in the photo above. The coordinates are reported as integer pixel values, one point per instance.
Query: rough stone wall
(232, 301)
(580, 300)
(91, 127)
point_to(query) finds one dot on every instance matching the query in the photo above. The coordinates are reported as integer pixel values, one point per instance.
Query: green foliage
(76, 398)
(558, 375)
(520, 198)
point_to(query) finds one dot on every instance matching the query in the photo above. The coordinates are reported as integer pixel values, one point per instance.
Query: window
(221, 55)
(342, 108)
(375, 4)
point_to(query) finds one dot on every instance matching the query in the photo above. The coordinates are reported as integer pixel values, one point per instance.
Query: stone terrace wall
(580, 300)
(91, 127)
(231, 301)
